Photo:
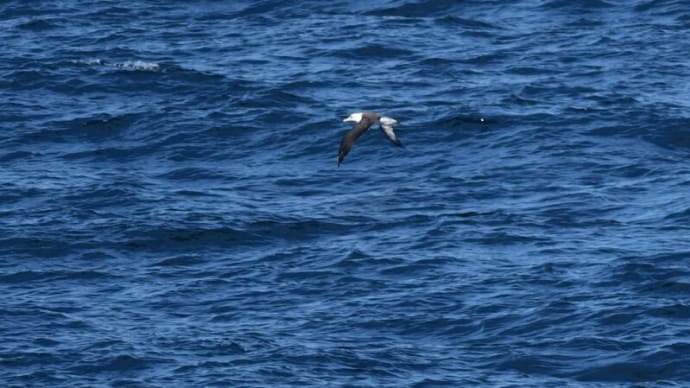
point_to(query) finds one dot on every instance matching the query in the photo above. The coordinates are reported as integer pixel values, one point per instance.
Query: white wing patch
(388, 121)
(388, 130)
(387, 124)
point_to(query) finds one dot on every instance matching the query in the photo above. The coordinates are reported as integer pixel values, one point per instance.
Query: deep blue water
(171, 213)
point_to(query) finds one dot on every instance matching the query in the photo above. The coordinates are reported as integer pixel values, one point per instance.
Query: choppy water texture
(171, 213)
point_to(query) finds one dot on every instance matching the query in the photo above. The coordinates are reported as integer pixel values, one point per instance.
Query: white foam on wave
(126, 65)
(141, 65)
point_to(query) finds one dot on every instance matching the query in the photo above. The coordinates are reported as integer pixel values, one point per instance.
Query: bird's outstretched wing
(387, 124)
(350, 137)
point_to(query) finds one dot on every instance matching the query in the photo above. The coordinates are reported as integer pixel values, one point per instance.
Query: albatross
(365, 120)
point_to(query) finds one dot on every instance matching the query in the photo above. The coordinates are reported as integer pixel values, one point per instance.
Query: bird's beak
(346, 120)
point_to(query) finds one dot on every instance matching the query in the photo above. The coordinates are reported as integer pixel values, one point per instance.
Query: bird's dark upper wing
(352, 135)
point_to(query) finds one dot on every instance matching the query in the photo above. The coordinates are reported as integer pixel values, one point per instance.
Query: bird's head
(356, 117)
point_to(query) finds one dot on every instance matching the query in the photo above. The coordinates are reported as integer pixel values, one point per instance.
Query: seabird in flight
(365, 120)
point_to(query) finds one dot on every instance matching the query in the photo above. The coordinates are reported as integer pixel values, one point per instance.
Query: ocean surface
(171, 212)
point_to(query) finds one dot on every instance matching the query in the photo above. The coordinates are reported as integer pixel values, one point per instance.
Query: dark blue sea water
(171, 213)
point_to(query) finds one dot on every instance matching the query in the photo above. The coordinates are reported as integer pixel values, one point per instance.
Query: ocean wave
(130, 65)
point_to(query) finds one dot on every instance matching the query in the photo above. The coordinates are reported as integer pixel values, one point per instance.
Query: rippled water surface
(171, 213)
